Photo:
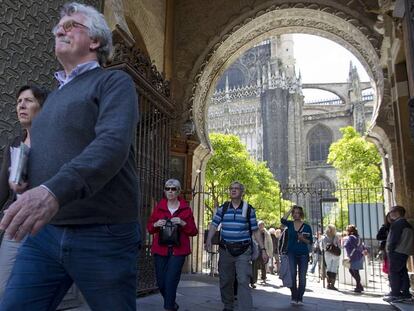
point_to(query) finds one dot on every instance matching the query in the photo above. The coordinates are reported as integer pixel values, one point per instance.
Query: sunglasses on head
(170, 188)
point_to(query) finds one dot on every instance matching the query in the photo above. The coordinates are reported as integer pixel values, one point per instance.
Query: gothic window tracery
(319, 141)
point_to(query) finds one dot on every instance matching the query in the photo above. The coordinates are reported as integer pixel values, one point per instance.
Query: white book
(18, 159)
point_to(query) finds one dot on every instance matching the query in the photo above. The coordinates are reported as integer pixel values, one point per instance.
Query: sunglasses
(68, 26)
(170, 189)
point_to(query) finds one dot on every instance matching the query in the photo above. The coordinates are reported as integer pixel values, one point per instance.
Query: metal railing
(340, 205)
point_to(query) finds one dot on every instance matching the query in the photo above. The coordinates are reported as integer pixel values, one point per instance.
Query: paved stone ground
(201, 293)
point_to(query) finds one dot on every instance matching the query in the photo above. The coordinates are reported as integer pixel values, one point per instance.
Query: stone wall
(147, 20)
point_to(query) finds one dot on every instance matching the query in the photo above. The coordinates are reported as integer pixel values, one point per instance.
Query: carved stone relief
(278, 20)
(142, 64)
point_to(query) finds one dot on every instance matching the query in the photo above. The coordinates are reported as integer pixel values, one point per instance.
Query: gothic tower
(281, 105)
(355, 99)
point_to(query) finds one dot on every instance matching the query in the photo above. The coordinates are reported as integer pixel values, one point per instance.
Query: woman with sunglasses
(169, 259)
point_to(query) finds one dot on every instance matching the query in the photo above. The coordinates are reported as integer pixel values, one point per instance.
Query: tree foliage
(230, 162)
(357, 161)
(359, 174)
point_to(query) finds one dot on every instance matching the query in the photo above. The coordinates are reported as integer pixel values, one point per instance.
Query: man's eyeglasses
(69, 25)
(234, 188)
(170, 189)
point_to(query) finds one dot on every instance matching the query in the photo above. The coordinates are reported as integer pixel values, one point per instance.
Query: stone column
(408, 30)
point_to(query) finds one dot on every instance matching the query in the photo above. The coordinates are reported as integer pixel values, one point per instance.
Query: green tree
(357, 161)
(358, 170)
(230, 162)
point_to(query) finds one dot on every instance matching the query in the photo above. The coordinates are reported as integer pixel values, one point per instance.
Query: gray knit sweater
(82, 149)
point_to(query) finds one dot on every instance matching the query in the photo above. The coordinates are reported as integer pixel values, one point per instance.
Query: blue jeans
(298, 263)
(100, 259)
(8, 253)
(168, 272)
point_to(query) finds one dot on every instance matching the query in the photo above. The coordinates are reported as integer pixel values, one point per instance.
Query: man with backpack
(400, 244)
(238, 224)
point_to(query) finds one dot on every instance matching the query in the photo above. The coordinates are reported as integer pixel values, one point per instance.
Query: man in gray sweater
(80, 215)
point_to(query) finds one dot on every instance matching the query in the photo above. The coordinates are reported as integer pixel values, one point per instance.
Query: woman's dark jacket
(382, 235)
(6, 194)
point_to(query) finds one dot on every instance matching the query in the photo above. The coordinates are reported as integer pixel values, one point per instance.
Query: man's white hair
(98, 28)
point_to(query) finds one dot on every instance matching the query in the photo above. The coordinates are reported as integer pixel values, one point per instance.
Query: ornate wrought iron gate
(152, 144)
(332, 204)
(340, 205)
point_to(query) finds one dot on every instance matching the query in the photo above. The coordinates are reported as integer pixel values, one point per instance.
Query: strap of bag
(355, 248)
(226, 207)
(282, 241)
(248, 218)
(224, 210)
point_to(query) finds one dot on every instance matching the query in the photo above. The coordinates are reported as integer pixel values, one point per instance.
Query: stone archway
(333, 25)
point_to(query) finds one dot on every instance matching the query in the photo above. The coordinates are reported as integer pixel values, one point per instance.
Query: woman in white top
(331, 246)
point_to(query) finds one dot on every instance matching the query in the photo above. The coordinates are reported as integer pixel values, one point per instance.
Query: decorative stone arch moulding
(315, 127)
(381, 141)
(313, 19)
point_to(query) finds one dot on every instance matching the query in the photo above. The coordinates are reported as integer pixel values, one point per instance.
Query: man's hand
(207, 246)
(265, 257)
(32, 210)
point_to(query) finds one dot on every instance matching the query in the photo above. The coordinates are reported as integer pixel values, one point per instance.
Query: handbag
(169, 234)
(284, 272)
(333, 249)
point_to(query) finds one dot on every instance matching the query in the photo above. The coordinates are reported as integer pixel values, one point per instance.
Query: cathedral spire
(227, 83)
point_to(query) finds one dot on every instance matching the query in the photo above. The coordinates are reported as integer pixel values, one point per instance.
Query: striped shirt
(234, 226)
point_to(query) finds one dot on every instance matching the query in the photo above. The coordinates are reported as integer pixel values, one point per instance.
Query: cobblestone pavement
(201, 293)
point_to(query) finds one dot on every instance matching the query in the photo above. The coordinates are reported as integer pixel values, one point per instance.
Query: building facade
(259, 98)
(190, 43)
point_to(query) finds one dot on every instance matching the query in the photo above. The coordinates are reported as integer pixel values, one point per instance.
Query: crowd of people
(292, 247)
(73, 217)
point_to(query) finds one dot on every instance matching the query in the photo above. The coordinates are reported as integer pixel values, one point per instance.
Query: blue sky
(322, 60)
